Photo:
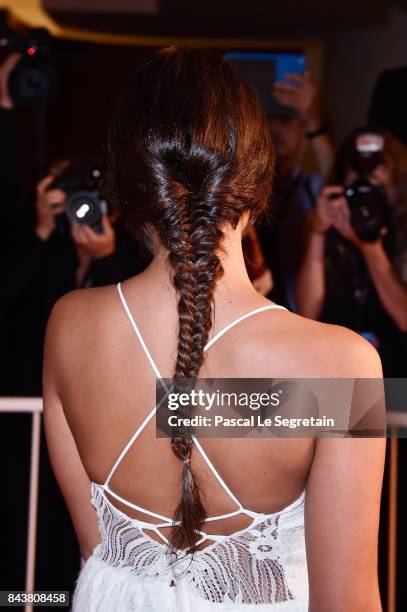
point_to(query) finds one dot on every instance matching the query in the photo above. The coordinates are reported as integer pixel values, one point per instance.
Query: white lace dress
(262, 567)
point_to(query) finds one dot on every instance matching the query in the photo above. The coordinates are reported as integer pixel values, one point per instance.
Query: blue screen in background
(262, 69)
(283, 62)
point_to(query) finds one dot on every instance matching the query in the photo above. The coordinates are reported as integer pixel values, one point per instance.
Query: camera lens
(84, 208)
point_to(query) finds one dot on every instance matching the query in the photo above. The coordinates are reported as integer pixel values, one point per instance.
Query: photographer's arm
(392, 293)
(321, 146)
(99, 249)
(310, 287)
(6, 69)
(302, 95)
(310, 281)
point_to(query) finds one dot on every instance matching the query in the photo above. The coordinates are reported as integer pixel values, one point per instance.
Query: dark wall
(89, 84)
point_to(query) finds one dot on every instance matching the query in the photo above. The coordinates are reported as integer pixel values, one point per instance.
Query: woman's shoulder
(309, 348)
(80, 312)
(80, 299)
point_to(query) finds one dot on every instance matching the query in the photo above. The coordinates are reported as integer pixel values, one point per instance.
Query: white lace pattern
(260, 566)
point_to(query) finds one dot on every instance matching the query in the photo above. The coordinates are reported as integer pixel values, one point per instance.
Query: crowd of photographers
(336, 239)
(327, 249)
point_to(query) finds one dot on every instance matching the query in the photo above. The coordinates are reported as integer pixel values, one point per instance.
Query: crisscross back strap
(217, 475)
(134, 437)
(148, 418)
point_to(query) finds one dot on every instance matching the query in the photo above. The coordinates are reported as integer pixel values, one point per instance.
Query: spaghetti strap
(216, 474)
(238, 320)
(134, 437)
(148, 418)
(138, 333)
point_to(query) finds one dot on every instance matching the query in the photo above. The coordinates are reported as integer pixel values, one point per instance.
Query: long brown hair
(189, 150)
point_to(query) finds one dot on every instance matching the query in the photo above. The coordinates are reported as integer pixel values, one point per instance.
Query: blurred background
(333, 80)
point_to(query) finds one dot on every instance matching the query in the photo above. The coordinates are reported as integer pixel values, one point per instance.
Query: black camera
(367, 203)
(33, 80)
(80, 180)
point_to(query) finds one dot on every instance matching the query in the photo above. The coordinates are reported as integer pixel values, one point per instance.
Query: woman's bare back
(108, 388)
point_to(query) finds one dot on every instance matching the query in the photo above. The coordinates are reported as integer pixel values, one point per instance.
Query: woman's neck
(234, 283)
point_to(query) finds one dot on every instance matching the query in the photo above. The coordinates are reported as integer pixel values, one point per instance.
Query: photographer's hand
(6, 68)
(300, 93)
(342, 221)
(94, 244)
(325, 214)
(49, 204)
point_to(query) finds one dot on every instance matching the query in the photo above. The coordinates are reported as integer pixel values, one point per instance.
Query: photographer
(38, 264)
(346, 280)
(295, 190)
(94, 252)
(46, 261)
